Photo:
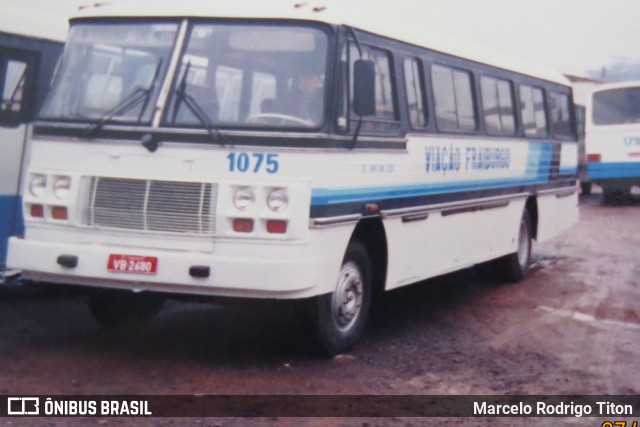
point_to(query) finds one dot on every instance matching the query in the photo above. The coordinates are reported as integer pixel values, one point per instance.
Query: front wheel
(516, 265)
(341, 315)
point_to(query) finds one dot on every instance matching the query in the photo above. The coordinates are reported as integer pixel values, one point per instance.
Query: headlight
(277, 200)
(244, 198)
(38, 185)
(62, 187)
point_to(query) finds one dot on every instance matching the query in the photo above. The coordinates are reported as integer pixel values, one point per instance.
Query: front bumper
(272, 276)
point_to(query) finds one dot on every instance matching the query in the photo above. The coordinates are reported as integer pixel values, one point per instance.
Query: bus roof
(617, 85)
(358, 14)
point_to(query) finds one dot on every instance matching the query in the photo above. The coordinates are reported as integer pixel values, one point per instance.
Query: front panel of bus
(613, 138)
(174, 156)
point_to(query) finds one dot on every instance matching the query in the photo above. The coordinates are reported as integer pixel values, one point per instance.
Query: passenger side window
(497, 106)
(532, 110)
(560, 115)
(454, 103)
(414, 82)
(386, 114)
(13, 86)
(16, 73)
(385, 108)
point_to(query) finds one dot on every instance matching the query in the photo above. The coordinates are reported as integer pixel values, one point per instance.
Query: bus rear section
(613, 139)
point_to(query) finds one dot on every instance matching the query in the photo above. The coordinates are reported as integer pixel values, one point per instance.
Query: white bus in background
(28, 56)
(174, 156)
(582, 88)
(613, 138)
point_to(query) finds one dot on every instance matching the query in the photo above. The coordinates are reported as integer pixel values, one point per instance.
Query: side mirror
(364, 89)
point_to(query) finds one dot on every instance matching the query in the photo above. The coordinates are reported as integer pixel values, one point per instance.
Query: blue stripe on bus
(537, 173)
(9, 224)
(568, 171)
(328, 196)
(539, 159)
(598, 170)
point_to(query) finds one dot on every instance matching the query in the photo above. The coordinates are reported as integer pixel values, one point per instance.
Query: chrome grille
(136, 204)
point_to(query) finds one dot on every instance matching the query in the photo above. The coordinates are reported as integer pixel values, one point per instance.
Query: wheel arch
(531, 206)
(371, 233)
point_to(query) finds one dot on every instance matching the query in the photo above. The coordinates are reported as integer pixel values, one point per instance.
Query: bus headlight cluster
(277, 200)
(260, 210)
(47, 196)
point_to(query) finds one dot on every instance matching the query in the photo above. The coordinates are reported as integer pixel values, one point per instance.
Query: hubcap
(347, 299)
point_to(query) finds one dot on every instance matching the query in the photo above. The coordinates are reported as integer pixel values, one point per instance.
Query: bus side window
(532, 110)
(560, 115)
(453, 94)
(414, 82)
(386, 115)
(15, 107)
(497, 106)
(385, 107)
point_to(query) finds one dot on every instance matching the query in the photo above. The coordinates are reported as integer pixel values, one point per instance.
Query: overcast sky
(572, 36)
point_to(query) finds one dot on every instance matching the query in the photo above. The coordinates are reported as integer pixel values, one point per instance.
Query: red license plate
(132, 264)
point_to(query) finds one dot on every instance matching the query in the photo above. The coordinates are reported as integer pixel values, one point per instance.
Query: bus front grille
(148, 205)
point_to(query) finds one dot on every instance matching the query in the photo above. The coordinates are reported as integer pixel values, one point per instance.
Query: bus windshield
(111, 71)
(616, 106)
(250, 75)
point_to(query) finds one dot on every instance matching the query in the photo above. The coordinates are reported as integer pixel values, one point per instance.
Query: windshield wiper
(138, 95)
(182, 97)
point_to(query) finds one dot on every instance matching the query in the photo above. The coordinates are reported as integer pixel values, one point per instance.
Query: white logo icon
(23, 406)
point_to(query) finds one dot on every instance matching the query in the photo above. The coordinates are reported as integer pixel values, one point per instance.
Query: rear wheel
(616, 195)
(114, 307)
(516, 265)
(341, 315)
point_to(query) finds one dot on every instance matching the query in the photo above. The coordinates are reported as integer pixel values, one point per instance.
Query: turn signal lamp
(243, 225)
(37, 211)
(276, 226)
(60, 213)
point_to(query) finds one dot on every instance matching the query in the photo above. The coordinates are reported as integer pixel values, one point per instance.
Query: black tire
(115, 307)
(340, 317)
(616, 195)
(515, 266)
(585, 188)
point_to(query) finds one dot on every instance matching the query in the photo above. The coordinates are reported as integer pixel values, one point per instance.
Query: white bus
(177, 154)
(613, 138)
(28, 56)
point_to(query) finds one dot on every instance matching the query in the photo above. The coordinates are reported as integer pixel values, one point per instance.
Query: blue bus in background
(29, 53)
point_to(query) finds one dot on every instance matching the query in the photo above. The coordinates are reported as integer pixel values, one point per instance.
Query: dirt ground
(571, 327)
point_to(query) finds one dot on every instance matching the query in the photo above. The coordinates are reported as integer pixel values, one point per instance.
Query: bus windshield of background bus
(251, 76)
(111, 71)
(616, 106)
